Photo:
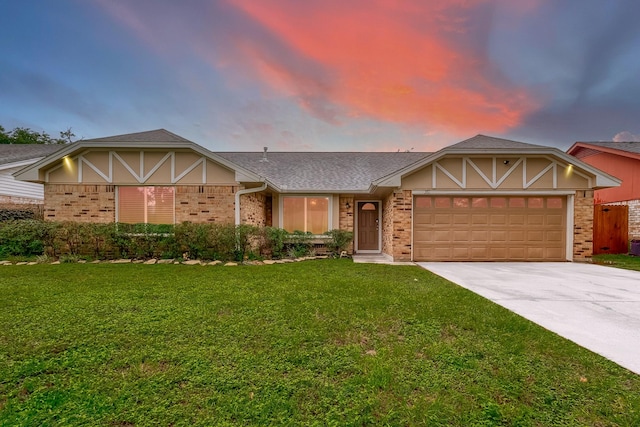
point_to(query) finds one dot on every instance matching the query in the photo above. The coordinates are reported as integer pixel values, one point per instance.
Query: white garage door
(449, 228)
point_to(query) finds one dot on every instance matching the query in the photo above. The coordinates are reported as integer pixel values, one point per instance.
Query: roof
(328, 171)
(585, 149)
(153, 139)
(11, 153)
(483, 142)
(631, 146)
(311, 171)
(155, 136)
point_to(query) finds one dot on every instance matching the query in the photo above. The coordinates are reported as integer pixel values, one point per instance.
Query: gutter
(246, 191)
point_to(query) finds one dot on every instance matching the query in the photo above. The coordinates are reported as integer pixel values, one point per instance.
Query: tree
(27, 136)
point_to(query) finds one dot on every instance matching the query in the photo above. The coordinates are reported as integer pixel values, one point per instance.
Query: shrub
(21, 238)
(299, 244)
(339, 240)
(275, 241)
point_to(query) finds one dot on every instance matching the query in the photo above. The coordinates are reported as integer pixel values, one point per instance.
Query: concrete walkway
(594, 306)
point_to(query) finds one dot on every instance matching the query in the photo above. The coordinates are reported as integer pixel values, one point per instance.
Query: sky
(324, 75)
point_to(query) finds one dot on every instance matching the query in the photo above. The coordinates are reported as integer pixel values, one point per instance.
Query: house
(621, 159)
(484, 198)
(16, 194)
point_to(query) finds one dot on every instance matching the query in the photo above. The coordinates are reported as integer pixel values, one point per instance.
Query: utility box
(635, 247)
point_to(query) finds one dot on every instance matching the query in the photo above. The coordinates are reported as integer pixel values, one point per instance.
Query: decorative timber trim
(496, 178)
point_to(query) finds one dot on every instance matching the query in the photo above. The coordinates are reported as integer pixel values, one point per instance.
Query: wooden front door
(368, 226)
(610, 229)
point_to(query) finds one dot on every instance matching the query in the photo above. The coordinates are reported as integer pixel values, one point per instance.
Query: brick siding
(205, 203)
(80, 203)
(253, 209)
(634, 217)
(345, 220)
(583, 225)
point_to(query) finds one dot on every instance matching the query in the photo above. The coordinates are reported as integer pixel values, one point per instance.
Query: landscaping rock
(82, 261)
(138, 261)
(231, 264)
(121, 261)
(216, 262)
(192, 262)
(151, 261)
(32, 263)
(95, 261)
(22, 263)
(165, 261)
(55, 263)
(6, 263)
(269, 261)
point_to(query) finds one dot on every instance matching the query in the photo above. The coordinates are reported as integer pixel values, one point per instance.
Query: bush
(21, 238)
(339, 240)
(275, 241)
(74, 240)
(299, 244)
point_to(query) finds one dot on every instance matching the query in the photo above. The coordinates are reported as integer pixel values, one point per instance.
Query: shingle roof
(321, 170)
(631, 147)
(483, 142)
(10, 153)
(157, 135)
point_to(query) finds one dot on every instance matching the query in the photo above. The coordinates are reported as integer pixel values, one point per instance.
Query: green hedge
(28, 238)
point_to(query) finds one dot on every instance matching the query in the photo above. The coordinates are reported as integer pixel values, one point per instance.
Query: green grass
(628, 262)
(313, 343)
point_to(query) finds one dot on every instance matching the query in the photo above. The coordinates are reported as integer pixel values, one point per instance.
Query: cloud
(626, 136)
(403, 61)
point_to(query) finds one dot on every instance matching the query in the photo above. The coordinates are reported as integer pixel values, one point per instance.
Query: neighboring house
(16, 194)
(481, 199)
(621, 159)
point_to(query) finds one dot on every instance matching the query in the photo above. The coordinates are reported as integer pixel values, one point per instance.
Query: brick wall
(7, 202)
(253, 209)
(205, 203)
(583, 225)
(387, 225)
(402, 207)
(80, 203)
(12, 203)
(345, 220)
(634, 217)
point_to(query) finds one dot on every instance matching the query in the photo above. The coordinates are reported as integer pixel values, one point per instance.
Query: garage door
(489, 228)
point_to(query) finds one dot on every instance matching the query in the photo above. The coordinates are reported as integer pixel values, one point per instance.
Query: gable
(498, 172)
(128, 166)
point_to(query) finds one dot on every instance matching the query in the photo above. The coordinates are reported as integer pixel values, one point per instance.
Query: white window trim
(173, 210)
(281, 209)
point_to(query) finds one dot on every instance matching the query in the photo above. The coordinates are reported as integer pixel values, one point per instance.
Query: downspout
(246, 191)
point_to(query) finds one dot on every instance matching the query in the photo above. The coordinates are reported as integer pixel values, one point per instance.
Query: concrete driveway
(594, 306)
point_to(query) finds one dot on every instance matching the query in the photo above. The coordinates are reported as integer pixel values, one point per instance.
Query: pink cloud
(626, 136)
(398, 61)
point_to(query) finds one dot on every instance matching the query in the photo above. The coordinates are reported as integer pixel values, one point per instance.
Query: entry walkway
(377, 259)
(594, 306)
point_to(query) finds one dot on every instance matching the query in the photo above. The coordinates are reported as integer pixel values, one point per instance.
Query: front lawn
(628, 262)
(312, 343)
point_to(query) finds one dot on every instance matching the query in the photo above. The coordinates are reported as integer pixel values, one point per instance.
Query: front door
(368, 226)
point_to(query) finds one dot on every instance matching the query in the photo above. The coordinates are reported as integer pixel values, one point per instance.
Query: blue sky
(378, 75)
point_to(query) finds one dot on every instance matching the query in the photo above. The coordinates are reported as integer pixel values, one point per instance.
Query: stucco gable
(166, 142)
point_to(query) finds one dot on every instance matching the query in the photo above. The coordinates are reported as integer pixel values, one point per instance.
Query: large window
(305, 213)
(148, 205)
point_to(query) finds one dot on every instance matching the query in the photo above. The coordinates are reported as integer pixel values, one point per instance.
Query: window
(147, 205)
(305, 213)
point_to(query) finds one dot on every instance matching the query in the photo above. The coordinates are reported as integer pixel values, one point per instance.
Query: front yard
(313, 343)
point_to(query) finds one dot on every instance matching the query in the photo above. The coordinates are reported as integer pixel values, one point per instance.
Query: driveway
(594, 306)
